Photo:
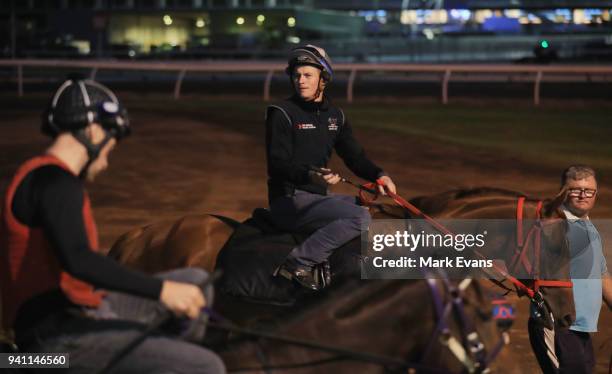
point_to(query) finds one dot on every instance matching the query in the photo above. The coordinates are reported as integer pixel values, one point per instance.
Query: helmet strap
(317, 92)
(93, 150)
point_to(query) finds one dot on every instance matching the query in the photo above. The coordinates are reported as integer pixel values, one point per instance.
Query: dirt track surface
(175, 166)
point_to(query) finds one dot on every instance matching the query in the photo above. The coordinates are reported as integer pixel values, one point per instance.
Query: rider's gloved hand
(183, 299)
(325, 177)
(386, 181)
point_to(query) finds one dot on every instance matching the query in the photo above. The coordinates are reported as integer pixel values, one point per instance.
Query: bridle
(467, 348)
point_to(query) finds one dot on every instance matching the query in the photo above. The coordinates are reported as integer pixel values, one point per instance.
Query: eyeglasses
(576, 192)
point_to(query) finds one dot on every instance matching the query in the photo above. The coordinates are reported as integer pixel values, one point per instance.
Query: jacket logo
(305, 126)
(333, 124)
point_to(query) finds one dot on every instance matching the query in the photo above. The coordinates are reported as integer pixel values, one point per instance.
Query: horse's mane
(462, 193)
(436, 201)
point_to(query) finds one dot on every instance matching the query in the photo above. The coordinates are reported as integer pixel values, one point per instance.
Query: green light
(544, 44)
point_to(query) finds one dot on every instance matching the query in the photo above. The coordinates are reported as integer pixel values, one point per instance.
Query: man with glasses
(571, 350)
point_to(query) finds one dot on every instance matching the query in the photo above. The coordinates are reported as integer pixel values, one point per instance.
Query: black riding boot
(304, 275)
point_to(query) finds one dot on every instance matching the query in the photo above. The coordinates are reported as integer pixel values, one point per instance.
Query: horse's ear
(556, 202)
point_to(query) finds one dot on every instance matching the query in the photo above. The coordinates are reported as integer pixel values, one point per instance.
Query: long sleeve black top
(302, 134)
(52, 198)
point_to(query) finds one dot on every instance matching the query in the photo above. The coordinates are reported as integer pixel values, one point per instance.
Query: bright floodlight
(260, 19)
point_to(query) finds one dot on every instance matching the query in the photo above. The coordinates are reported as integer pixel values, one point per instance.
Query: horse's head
(472, 340)
(499, 204)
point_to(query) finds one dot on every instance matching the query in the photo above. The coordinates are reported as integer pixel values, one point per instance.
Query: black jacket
(302, 134)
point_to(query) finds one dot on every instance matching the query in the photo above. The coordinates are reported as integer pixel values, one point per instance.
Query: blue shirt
(587, 266)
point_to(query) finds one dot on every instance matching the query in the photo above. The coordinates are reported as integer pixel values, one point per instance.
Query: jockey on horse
(301, 133)
(59, 293)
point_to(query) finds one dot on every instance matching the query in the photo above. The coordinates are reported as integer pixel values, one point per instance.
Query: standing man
(51, 275)
(301, 133)
(571, 350)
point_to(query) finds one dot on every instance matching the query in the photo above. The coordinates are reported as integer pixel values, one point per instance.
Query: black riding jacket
(301, 134)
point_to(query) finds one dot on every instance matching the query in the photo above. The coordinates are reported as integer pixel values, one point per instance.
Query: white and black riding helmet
(79, 102)
(313, 56)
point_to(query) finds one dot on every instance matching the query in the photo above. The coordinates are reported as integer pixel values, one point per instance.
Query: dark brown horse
(196, 241)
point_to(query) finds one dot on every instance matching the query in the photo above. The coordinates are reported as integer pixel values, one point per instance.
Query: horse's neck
(387, 211)
(492, 206)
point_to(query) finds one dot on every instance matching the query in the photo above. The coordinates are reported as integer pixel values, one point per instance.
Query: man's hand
(325, 178)
(388, 183)
(183, 299)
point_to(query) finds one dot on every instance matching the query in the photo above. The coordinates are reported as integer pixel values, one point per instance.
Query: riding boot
(302, 274)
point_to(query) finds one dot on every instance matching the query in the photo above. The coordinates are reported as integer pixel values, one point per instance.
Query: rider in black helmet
(79, 103)
(301, 133)
(59, 293)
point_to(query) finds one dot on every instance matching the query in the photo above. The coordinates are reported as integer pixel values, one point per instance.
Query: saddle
(257, 248)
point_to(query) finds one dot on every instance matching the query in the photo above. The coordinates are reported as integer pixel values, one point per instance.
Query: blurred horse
(407, 323)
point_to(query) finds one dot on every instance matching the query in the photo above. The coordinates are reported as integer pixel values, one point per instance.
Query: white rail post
(536, 88)
(20, 80)
(179, 82)
(93, 73)
(267, 83)
(351, 83)
(447, 75)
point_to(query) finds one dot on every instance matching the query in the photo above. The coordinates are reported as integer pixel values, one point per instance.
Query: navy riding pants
(334, 220)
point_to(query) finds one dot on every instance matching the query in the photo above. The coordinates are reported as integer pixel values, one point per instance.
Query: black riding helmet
(310, 55)
(79, 102)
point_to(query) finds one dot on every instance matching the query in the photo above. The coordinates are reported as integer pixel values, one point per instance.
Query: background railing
(442, 73)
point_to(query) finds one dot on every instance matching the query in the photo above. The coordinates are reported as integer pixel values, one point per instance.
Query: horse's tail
(228, 221)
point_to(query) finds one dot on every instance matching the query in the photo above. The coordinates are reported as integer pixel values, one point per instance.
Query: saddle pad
(250, 256)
